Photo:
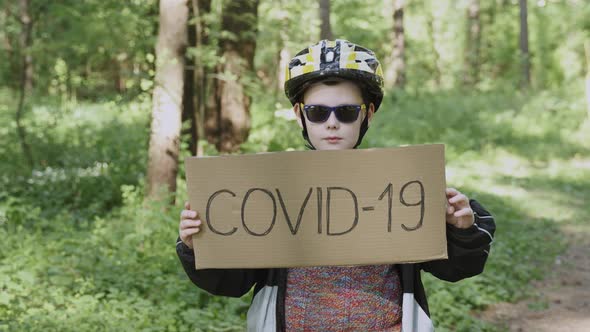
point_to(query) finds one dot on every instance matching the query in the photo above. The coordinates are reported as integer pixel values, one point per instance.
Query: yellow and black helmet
(339, 58)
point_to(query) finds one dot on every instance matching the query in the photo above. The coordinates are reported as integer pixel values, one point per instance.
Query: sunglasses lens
(347, 113)
(344, 113)
(317, 113)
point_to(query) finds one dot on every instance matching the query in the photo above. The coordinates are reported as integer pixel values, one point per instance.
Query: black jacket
(468, 250)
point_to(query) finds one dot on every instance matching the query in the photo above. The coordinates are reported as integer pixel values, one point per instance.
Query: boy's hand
(459, 213)
(189, 224)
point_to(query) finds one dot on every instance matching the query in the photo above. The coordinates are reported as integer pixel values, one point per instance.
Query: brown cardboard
(266, 184)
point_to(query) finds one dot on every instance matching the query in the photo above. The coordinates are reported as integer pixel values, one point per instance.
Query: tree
(587, 52)
(473, 44)
(396, 73)
(26, 76)
(524, 46)
(189, 109)
(196, 80)
(167, 98)
(284, 54)
(227, 122)
(285, 19)
(325, 28)
(7, 44)
(436, 72)
(26, 36)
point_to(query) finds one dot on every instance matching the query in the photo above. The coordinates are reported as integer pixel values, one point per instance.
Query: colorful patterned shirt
(343, 298)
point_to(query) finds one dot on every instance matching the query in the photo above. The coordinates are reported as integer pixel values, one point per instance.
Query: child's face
(333, 134)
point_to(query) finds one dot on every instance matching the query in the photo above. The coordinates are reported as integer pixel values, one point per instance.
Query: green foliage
(97, 264)
(274, 128)
(365, 23)
(92, 49)
(84, 152)
(465, 121)
(82, 49)
(80, 249)
(121, 274)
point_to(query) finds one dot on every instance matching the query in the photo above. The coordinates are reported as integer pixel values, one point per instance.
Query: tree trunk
(434, 49)
(284, 55)
(325, 28)
(524, 46)
(26, 80)
(201, 9)
(118, 74)
(211, 106)
(396, 74)
(12, 58)
(473, 43)
(6, 42)
(27, 24)
(284, 58)
(206, 78)
(231, 104)
(188, 98)
(167, 98)
(587, 51)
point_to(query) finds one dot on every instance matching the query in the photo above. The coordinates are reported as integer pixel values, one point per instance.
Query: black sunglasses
(321, 113)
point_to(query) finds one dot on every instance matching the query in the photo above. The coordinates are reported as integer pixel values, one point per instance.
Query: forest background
(101, 100)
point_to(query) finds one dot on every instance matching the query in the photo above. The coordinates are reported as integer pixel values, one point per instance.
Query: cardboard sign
(312, 208)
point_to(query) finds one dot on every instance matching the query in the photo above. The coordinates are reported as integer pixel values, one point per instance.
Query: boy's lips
(333, 139)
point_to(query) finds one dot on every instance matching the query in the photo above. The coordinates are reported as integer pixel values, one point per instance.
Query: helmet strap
(304, 133)
(363, 130)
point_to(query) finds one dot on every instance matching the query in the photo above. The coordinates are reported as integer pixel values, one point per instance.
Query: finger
(188, 233)
(188, 240)
(463, 212)
(188, 214)
(187, 206)
(462, 224)
(189, 223)
(450, 209)
(451, 192)
(452, 221)
(457, 199)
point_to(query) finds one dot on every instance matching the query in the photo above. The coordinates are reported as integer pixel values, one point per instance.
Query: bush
(120, 274)
(83, 156)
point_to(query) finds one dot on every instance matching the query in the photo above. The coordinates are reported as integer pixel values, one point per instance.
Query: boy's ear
(298, 114)
(370, 113)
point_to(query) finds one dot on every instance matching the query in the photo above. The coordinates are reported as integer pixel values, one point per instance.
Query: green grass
(81, 252)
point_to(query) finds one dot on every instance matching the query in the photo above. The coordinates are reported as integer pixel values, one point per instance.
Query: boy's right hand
(189, 224)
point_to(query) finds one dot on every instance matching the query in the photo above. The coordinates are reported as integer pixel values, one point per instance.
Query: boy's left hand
(459, 213)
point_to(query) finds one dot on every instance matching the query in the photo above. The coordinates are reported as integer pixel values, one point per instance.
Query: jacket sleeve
(468, 249)
(225, 282)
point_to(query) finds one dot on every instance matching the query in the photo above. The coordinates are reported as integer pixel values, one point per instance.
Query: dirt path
(562, 300)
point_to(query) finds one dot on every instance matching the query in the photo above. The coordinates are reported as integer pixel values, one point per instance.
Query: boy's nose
(332, 121)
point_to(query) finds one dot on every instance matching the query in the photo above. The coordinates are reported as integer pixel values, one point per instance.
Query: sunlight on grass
(557, 189)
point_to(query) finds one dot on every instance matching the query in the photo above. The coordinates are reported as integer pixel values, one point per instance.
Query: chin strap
(309, 146)
(363, 131)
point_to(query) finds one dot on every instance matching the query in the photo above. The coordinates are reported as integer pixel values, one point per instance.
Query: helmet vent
(330, 56)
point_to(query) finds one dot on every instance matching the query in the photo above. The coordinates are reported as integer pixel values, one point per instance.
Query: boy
(335, 88)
